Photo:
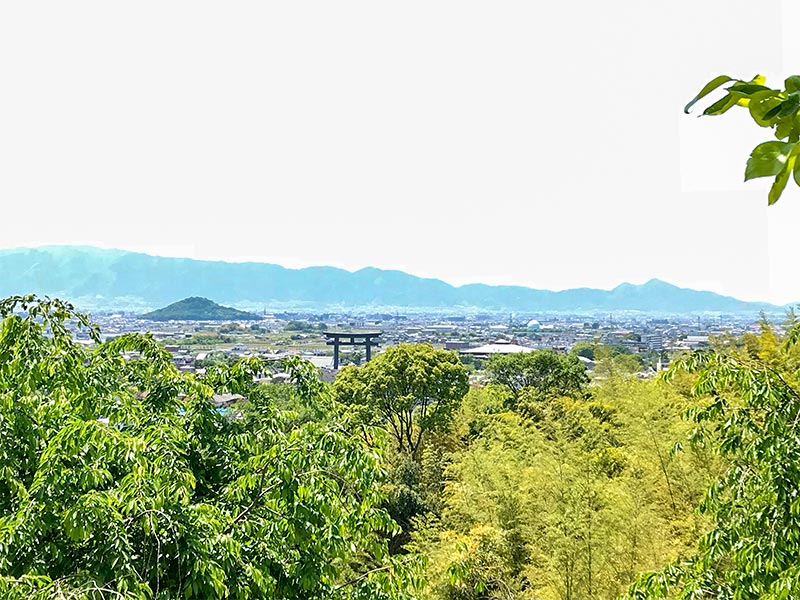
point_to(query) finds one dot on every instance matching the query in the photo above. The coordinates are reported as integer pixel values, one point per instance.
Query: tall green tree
(543, 373)
(119, 478)
(410, 389)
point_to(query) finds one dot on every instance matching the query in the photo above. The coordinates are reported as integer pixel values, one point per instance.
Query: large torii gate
(350, 338)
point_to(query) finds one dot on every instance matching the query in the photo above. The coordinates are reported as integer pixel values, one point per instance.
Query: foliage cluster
(611, 359)
(567, 501)
(771, 108)
(532, 377)
(752, 420)
(413, 392)
(120, 479)
(411, 389)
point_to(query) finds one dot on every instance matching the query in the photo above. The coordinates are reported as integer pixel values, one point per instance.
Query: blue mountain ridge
(94, 277)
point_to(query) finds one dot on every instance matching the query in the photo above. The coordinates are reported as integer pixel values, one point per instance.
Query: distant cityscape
(278, 335)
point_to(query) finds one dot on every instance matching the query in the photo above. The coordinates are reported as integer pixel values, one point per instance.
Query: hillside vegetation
(121, 479)
(198, 309)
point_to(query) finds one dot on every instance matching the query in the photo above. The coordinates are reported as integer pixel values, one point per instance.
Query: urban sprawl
(196, 344)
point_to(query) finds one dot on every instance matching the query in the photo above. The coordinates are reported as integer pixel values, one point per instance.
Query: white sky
(527, 143)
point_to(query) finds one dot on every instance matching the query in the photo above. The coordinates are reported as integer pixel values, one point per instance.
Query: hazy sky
(528, 143)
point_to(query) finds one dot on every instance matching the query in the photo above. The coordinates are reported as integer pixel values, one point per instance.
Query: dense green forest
(122, 479)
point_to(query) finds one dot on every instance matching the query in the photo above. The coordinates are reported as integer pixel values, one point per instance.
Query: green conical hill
(198, 309)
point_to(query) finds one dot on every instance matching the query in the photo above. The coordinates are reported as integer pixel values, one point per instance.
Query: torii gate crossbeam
(351, 338)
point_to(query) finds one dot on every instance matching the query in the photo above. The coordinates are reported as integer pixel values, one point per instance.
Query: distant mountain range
(198, 309)
(93, 278)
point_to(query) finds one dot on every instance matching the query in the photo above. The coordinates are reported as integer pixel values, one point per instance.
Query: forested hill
(198, 309)
(98, 278)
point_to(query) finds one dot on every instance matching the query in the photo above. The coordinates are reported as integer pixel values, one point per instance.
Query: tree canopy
(198, 309)
(411, 389)
(544, 374)
(568, 504)
(121, 479)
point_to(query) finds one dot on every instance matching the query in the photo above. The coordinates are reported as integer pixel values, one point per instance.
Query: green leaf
(780, 181)
(787, 128)
(722, 105)
(767, 159)
(749, 88)
(763, 102)
(792, 83)
(709, 87)
(785, 108)
(797, 172)
(790, 105)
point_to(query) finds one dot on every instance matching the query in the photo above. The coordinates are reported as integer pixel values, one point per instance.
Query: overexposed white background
(513, 142)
